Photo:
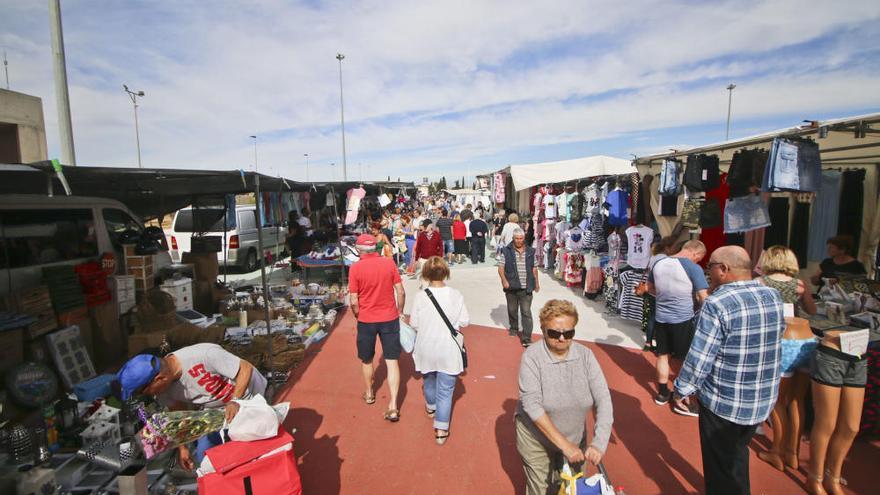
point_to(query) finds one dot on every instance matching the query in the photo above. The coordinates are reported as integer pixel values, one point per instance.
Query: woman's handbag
(455, 334)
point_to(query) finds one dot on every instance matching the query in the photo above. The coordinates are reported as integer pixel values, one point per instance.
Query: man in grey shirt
(560, 382)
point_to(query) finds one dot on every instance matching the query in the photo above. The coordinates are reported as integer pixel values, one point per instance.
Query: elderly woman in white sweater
(437, 352)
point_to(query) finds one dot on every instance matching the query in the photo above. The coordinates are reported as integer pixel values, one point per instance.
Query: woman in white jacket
(437, 352)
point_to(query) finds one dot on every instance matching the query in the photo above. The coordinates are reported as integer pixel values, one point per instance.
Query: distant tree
(456, 184)
(442, 184)
(463, 182)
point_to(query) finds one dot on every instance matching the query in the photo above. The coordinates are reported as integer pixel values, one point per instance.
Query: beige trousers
(541, 467)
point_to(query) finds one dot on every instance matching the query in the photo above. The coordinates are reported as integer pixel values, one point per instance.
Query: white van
(240, 243)
(38, 231)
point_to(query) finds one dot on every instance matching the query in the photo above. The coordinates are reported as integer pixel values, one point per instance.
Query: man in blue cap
(193, 377)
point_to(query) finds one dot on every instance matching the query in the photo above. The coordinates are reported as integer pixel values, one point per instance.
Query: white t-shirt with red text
(208, 377)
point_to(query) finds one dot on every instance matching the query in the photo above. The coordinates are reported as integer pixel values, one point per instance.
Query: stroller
(576, 484)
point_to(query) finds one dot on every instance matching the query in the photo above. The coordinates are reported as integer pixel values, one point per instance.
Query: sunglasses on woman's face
(556, 334)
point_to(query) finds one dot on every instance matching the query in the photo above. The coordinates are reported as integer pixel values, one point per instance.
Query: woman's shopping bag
(407, 337)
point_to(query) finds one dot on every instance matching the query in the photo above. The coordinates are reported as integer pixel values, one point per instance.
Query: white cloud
(428, 85)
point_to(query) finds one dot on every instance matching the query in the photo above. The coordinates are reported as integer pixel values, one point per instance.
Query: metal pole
(339, 57)
(255, 153)
(65, 127)
(729, 102)
(6, 68)
(137, 132)
(262, 258)
(307, 166)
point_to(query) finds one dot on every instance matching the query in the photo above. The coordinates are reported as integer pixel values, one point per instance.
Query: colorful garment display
(639, 240)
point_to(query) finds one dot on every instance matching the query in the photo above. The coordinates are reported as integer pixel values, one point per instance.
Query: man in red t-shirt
(373, 283)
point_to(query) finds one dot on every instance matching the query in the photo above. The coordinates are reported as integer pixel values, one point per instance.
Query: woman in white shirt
(437, 353)
(509, 228)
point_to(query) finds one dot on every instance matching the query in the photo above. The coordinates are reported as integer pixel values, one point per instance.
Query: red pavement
(344, 446)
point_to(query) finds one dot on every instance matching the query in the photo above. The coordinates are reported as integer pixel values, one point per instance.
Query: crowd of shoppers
(733, 345)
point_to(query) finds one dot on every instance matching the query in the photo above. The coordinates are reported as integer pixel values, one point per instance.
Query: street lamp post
(255, 152)
(137, 133)
(339, 57)
(729, 102)
(307, 166)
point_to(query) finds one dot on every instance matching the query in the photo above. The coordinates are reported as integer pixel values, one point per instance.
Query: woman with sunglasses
(560, 382)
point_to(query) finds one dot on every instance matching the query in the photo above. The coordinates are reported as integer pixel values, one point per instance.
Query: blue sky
(437, 88)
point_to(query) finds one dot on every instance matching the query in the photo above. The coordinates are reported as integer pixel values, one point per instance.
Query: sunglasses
(556, 334)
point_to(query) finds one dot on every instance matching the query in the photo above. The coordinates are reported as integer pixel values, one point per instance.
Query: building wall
(25, 112)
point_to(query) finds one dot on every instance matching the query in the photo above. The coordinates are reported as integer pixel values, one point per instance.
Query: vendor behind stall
(194, 377)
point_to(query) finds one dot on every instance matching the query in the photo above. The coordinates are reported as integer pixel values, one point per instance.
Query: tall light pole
(6, 68)
(255, 152)
(729, 102)
(62, 96)
(307, 166)
(339, 57)
(137, 133)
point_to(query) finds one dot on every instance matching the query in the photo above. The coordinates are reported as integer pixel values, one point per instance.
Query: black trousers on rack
(800, 232)
(777, 232)
(852, 199)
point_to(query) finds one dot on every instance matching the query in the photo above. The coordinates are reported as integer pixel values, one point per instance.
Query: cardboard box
(206, 268)
(107, 336)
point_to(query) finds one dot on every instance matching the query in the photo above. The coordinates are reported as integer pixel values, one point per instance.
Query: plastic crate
(94, 388)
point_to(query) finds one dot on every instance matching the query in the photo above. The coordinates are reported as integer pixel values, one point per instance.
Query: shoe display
(662, 398)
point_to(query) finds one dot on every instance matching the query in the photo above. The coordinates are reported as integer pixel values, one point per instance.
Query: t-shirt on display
(638, 240)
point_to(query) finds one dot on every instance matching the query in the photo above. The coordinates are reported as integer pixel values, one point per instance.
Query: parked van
(38, 231)
(240, 242)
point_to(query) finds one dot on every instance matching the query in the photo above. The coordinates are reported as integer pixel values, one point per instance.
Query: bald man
(732, 367)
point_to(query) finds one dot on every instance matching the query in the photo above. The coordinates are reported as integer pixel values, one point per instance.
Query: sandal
(430, 412)
(392, 415)
(369, 399)
(440, 439)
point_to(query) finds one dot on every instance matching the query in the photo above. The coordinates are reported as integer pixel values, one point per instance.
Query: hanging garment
(778, 231)
(710, 214)
(594, 275)
(596, 234)
(851, 205)
(745, 213)
(782, 167)
(754, 244)
(825, 215)
(353, 204)
(746, 171)
(713, 237)
(575, 239)
(639, 246)
(690, 214)
(550, 206)
(646, 216)
(809, 165)
(669, 185)
(668, 206)
(618, 201)
(499, 184)
(575, 208)
(701, 172)
(562, 206)
(630, 304)
(591, 200)
(800, 231)
(614, 251)
(573, 275)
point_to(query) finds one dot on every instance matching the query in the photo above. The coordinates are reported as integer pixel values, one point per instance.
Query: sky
(447, 88)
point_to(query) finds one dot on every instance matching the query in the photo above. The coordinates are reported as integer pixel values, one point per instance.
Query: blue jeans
(438, 388)
(205, 443)
(745, 213)
(410, 245)
(448, 247)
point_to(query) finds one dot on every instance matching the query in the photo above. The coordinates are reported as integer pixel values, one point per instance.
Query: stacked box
(139, 267)
(124, 291)
(64, 288)
(35, 302)
(181, 290)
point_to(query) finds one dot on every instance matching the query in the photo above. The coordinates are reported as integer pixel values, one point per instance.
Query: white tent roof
(525, 176)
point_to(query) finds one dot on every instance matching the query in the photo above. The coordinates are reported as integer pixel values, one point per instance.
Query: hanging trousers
(777, 232)
(825, 211)
(725, 449)
(800, 232)
(852, 199)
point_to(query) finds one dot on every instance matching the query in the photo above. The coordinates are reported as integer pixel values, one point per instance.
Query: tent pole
(262, 258)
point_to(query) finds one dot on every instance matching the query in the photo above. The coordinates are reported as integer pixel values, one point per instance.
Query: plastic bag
(407, 337)
(256, 419)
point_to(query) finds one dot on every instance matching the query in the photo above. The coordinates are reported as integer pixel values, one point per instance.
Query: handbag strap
(452, 330)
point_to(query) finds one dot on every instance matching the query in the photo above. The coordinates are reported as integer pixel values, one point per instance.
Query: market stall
(836, 195)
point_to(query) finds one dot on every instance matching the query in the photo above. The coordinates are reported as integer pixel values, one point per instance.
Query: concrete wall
(26, 112)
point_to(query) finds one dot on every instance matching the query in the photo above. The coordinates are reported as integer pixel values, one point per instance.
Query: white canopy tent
(526, 176)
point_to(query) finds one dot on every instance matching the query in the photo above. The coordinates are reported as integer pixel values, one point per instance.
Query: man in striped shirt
(732, 367)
